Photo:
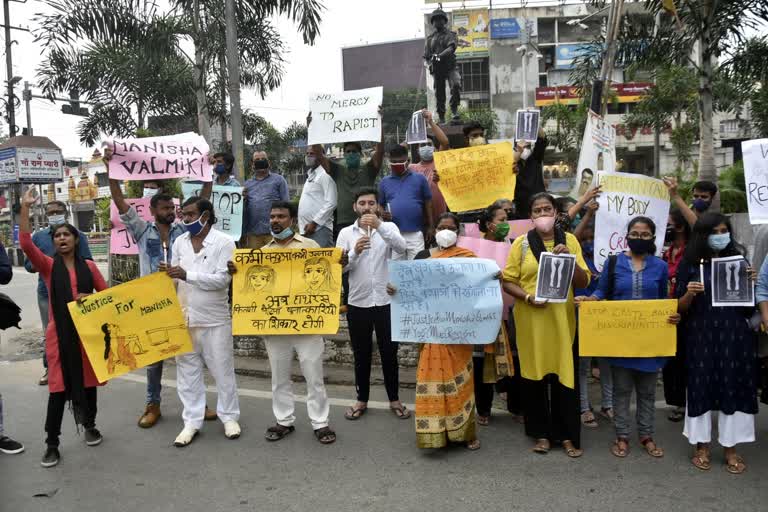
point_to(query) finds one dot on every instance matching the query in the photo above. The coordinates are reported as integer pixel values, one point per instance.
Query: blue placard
(505, 28)
(448, 301)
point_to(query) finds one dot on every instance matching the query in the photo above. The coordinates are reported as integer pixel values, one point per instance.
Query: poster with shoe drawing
(555, 275)
(731, 285)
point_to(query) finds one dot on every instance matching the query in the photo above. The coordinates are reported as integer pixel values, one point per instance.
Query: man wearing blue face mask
(223, 168)
(702, 194)
(56, 213)
(199, 267)
(426, 165)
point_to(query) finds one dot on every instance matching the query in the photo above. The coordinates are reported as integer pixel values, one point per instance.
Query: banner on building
(286, 291)
(598, 152)
(756, 177)
(471, 27)
(472, 178)
(31, 165)
(347, 116)
(624, 197)
(445, 300)
(228, 206)
(627, 328)
(514, 28)
(159, 158)
(120, 239)
(131, 325)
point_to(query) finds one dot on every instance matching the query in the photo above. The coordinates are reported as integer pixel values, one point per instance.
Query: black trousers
(56, 404)
(483, 391)
(675, 378)
(513, 388)
(453, 78)
(551, 410)
(362, 322)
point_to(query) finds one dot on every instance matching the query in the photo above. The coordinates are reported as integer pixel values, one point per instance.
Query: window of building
(547, 30)
(547, 61)
(474, 76)
(729, 126)
(613, 107)
(102, 179)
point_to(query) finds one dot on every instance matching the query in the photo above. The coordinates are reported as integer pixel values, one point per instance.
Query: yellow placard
(131, 325)
(627, 328)
(473, 178)
(286, 291)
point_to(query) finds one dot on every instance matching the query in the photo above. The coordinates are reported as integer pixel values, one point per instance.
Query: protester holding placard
(407, 201)
(426, 164)
(198, 263)
(155, 241)
(721, 349)
(445, 401)
(635, 275)
(317, 203)
(530, 176)
(56, 214)
(262, 189)
(370, 244)
(676, 240)
(68, 276)
(545, 333)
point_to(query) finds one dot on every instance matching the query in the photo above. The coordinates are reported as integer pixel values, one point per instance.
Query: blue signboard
(566, 53)
(505, 28)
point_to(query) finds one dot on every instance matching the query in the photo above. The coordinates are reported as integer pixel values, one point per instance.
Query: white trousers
(310, 349)
(212, 346)
(414, 244)
(732, 429)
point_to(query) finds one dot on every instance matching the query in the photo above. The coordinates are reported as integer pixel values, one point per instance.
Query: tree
(707, 29)
(671, 102)
(569, 129)
(398, 106)
(748, 67)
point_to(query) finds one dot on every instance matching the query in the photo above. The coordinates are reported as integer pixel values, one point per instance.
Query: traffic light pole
(9, 69)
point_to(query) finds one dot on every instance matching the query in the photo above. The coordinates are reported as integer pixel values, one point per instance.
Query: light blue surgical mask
(149, 192)
(426, 153)
(55, 220)
(286, 233)
(719, 242)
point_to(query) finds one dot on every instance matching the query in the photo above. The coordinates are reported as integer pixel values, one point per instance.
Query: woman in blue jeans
(635, 275)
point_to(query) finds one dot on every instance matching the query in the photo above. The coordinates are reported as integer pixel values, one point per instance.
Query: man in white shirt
(316, 205)
(199, 265)
(370, 243)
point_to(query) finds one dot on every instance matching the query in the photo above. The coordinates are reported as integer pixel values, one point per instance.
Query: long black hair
(698, 247)
(648, 222)
(487, 216)
(679, 220)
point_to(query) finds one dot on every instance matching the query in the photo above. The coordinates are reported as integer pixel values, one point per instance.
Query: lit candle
(165, 253)
(701, 271)
(369, 231)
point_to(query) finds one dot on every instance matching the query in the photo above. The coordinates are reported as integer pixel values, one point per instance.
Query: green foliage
(733, 191)
(748, 68)
(398, 106)
(102, 210)
(485, 116)
(569, 129)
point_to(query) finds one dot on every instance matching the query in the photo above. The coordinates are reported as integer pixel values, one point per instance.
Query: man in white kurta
(199, 265)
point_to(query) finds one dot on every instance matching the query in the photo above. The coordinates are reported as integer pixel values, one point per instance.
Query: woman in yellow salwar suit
(545, 333)
(445, 399)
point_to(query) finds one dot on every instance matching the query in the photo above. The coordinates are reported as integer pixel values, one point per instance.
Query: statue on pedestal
(440, 56)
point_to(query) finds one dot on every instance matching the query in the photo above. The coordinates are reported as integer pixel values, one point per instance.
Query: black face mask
(259, 165)
(640, 246)
(669, 236)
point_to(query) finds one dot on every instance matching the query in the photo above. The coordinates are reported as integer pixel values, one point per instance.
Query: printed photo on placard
(527, 127)
(555, 276)
(731, 285)
(417, 129)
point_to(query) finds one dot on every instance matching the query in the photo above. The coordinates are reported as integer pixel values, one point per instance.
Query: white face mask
(55, 220)
(446, 238)
(149, 192)
(525, 154)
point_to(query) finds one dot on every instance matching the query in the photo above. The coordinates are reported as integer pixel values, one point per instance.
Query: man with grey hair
(56, 213)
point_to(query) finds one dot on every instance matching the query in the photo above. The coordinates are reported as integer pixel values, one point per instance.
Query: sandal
(401, 412)
(620, 447)
(701, 459)
(735, 465)
(607, 413)
(325, 435)
(571, 450)
(483, 420)
(473, 445)
(278, 432)
(651, 448)
(354, 414)
(542, 446)
(588, 419)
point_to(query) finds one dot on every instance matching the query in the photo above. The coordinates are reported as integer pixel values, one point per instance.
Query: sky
(308, 68)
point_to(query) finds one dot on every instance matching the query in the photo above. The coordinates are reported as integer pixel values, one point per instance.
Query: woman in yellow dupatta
(445, 391)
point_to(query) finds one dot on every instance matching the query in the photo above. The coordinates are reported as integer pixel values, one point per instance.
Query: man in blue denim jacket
(154, 240)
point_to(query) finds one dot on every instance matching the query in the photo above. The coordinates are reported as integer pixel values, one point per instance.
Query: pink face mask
(544, 224)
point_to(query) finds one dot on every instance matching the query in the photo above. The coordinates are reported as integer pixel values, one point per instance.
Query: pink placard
(516, 228)
(496, 251)
(159, 158)
(120, 239)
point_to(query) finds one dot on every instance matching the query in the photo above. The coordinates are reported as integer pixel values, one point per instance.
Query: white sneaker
(185, 437)
(232, 429)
